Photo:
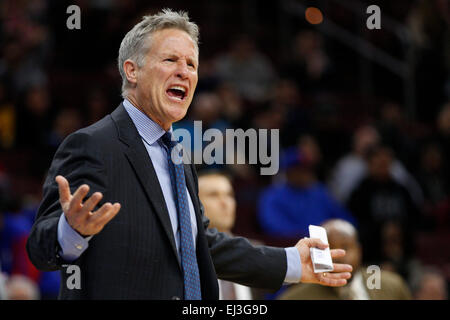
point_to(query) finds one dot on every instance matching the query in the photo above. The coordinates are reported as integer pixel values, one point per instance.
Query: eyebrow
(172, 54)
(176, 55)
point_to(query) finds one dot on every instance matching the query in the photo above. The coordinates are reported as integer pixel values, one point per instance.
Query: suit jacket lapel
(139, 158)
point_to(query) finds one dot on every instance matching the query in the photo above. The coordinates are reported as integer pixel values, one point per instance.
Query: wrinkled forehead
(173, 41)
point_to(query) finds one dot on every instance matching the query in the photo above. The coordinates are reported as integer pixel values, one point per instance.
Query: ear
(131, 70)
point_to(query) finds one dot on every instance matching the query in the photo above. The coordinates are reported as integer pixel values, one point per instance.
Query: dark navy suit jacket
(134, 256)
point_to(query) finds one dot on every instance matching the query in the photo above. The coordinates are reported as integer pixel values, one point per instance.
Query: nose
(182, 70)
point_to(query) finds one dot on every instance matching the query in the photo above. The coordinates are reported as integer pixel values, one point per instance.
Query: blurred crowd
(344, 155)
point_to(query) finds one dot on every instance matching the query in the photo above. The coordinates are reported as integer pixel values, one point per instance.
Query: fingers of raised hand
(102, 216)
(79, 214)
(90, 203)
(64, 190)
(77, 198)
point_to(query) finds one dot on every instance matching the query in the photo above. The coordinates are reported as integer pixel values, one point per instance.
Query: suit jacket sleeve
(79, 160)
(236, 259)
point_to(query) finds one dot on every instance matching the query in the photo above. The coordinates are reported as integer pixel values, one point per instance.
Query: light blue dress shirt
(73, 244)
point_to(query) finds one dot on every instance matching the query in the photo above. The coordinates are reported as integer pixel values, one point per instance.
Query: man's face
(340, 240)
(216, 194)
(167, 80)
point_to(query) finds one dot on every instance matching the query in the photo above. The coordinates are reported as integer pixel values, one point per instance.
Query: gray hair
(136, 42)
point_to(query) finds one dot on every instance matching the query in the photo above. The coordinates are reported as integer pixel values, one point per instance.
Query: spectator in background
(309, 65)
(217, 196)
(27, 43)
(48, 282)
(20, 68)
(206, 108)
(67, 120)
(288, 103)
(19, 287)
(14, 229)
(7, 117)
(267, 116)
(249, 71)
(352, 168)
(97, 106)
(385, 213)
(395, 131)
(16, 220)
(287, 208)
(34, 118)
(34, 122)
(433, 177)
(430, 285)
(309, 147)
(342, 234)
(232, 104)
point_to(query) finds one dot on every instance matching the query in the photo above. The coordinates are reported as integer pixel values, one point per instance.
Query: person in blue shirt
(287, 208)
(14, 231)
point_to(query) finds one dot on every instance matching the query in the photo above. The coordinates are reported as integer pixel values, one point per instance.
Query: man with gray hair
(158, 246)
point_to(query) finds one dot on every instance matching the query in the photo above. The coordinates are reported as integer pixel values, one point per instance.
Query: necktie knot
(174, 149)
(168, 140)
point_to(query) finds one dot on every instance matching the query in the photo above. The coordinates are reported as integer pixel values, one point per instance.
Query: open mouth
(176, 92)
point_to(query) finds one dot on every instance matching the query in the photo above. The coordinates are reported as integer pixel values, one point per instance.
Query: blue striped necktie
(192, 290)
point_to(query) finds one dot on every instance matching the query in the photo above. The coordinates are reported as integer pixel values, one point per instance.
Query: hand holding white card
(321, 259)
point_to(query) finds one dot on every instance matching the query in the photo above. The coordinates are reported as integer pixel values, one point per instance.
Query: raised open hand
(79, 215)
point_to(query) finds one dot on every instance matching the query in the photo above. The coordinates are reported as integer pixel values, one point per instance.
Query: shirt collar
(149, 130)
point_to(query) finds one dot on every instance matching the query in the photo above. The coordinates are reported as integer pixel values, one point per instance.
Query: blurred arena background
(364, 118)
